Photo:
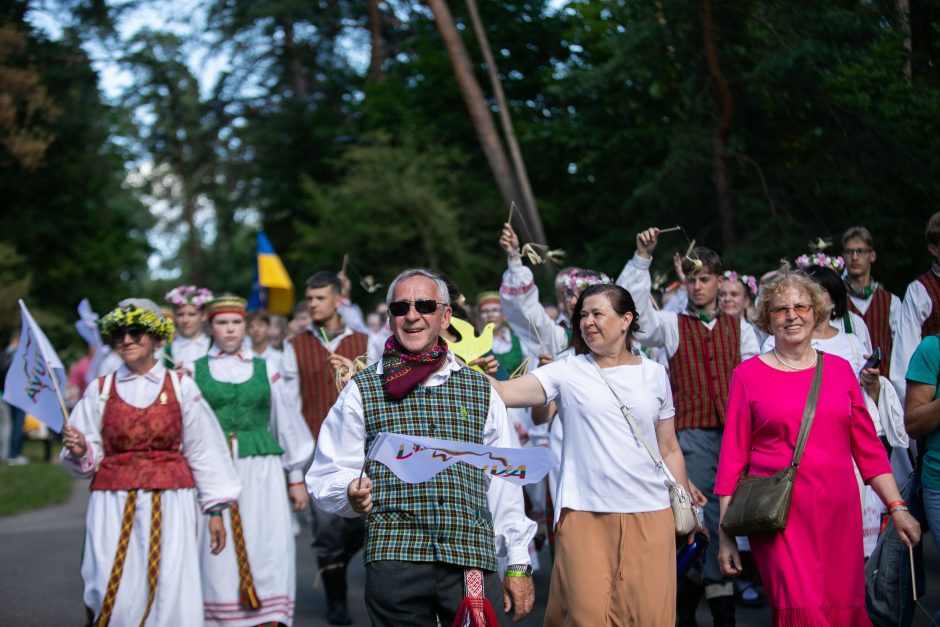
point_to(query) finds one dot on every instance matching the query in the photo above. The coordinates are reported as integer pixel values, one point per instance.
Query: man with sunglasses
(703, 346)
(308, 365)
(879, 308)
(431, 543)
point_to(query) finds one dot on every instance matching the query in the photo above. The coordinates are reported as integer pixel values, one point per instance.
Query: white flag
(415, 459)
(29, 383)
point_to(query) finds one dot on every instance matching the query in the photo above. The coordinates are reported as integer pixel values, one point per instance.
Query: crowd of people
(205, 429)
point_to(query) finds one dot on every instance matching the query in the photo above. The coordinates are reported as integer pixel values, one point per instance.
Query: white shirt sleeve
(291, 374)
(340, 453)
(206, 450)
(352, 317)
(860, 330)
(915, 309)
(513, 530)
(289, 429)
(86, 417)
(524, 313)
(750, 344)
(657, 328)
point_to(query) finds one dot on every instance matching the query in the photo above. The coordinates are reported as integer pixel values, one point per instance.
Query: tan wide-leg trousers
(613, 569)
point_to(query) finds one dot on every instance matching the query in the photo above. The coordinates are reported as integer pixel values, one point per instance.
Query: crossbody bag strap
(629, 417)
(809, 411)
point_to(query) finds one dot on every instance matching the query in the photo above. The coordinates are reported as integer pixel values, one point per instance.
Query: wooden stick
(910, 550)
(670, 230)
(362, 472)
(512, 209)
(58, 392)
(345, 263)
(535, 330)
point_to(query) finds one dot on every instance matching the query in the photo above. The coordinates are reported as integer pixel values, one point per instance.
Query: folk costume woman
(253, 581)
(158, 463)
(190, 343)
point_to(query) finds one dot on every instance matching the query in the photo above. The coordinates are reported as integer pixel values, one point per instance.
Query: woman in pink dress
(813, 572)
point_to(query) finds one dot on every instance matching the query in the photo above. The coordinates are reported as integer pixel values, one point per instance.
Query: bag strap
(809, 411)
(629, 417)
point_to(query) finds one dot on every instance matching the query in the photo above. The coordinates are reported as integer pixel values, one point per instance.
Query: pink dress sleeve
(736, 441)
(867, 450)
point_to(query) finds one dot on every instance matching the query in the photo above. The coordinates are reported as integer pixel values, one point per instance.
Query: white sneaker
(18, 461)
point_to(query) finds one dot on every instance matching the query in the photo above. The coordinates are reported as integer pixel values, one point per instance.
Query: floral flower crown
(131, 316)
(749, 282)
(820, 259)
(585, 279)
(188, 295)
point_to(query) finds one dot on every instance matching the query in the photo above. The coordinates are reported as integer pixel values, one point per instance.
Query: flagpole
(58, 392)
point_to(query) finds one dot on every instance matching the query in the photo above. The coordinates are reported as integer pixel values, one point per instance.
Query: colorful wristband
(215, 514)
(894, 504)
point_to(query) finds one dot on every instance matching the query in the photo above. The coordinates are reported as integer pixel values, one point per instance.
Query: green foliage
(34, 485)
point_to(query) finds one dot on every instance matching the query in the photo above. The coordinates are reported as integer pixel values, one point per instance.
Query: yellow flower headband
(131, 316)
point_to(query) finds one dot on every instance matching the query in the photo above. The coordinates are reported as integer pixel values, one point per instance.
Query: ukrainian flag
(271, 288)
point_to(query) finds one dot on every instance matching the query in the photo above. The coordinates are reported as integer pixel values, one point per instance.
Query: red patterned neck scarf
(402, 371)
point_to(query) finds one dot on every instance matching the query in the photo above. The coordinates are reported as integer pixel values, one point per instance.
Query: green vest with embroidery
(447, 518)
(243, 409)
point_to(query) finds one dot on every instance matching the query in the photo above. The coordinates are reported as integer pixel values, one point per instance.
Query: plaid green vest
(446, 519)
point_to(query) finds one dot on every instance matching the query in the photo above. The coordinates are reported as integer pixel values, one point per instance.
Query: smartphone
(875, 360)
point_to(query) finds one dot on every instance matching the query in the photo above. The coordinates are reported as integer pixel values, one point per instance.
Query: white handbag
(679, 498)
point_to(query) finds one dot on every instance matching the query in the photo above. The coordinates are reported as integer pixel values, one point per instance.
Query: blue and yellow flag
(271, 288)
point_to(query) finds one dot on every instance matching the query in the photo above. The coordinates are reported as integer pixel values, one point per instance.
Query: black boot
(688, 594)
(334, 585)
(722, 611)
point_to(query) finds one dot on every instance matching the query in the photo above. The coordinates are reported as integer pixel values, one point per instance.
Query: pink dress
(813, 572)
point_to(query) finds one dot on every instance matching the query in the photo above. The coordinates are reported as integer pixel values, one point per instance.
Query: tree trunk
(377, 58)
(529, 207)
(295, 67)
(480, 115)
(721, 93)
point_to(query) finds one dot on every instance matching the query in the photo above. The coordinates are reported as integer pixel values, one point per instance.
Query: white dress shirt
(915, 310)
(340, 456)
(187, 350)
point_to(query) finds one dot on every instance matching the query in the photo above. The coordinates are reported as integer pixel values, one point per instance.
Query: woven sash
(153, 556)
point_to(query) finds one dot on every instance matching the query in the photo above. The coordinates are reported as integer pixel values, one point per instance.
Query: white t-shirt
(604, 468)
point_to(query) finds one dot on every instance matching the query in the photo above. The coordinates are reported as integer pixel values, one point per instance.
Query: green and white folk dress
(270, 446)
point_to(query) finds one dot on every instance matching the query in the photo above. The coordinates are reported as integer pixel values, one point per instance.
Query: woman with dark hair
(615, 559)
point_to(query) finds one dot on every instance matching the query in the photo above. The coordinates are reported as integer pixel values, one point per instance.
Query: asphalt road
(40, 554)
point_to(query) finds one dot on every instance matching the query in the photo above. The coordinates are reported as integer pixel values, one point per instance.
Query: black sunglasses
(424, 307)
(135, 332)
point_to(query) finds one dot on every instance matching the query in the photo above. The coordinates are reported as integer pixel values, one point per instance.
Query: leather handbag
(679, 498)
(762, 504)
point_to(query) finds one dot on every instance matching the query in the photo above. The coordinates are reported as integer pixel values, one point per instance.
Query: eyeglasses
(424, 307)
(799, 309)
(136, 333)
(852, 252)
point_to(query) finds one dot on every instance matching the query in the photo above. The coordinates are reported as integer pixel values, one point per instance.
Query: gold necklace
(792, 367)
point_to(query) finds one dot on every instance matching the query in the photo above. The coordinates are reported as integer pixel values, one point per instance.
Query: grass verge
(36, 484)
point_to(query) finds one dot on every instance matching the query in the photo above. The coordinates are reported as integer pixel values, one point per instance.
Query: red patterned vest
(878, 320)
(142, 446)
(931, 325)
(317, 383)
(700, 371)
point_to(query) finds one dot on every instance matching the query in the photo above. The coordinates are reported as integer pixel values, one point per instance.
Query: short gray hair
(423, 272)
